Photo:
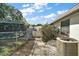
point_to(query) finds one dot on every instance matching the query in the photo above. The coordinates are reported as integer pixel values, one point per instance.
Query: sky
(42, 13)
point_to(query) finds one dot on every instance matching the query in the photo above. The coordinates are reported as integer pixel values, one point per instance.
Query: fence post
(16, 39)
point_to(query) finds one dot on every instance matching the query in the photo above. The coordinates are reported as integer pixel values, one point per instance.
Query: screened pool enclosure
(12, 22)
(11, 29)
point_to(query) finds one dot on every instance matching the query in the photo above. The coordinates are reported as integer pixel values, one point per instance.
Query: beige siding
(66, 29)
(74, 26)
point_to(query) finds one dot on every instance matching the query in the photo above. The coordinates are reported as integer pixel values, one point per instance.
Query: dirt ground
(25, 50)
(38, 48)
(42, 49)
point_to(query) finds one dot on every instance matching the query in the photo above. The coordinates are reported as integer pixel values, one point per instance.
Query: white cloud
(25, 5)
(46, 18)
(36, 6)
(57, 4)
(49, 8)
(27, 10)
(33, 18)
(50, 15)
(43, 19)
(39, 5)
(37, 18)
(24, 14)
(62, 11)
(41, 11)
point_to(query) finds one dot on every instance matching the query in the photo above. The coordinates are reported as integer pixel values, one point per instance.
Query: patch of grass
(4, 51)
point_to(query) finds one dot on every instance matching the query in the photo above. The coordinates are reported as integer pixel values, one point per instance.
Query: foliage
(39, 25)
(7, 10)
(4, 51)
(49, 32)
(10, 14)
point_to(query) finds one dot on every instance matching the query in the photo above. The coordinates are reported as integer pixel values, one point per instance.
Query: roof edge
(72, 10)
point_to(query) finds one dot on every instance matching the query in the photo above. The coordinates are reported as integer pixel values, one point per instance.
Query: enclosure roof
(10, 21)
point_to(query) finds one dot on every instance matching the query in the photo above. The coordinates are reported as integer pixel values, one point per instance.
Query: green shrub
(49, 32)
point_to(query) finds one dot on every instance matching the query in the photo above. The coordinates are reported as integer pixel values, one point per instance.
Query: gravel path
(42, 49)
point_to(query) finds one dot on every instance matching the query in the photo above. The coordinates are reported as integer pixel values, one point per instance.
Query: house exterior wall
(74, 26)
(63, 29)
(73, 29)
(66, 29)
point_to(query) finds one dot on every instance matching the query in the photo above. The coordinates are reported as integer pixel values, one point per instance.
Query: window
(65, 27)
(65, 23)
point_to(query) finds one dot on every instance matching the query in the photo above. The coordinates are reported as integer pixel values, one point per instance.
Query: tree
(39, 24)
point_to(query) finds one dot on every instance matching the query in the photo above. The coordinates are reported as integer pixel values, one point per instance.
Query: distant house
(68, 23)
